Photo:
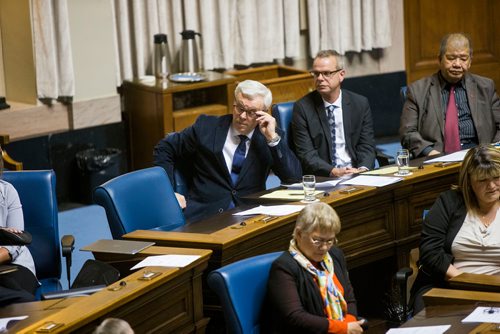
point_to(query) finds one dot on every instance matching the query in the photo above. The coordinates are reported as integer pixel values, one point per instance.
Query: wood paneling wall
(427, 21)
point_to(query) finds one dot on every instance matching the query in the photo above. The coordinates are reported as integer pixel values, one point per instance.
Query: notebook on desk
(117, 246)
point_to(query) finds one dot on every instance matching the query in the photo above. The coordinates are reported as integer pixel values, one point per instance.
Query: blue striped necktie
(331, 122)
(239, 158)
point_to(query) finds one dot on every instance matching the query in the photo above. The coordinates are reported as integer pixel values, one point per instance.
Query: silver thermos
(188, 58)
(161, 58)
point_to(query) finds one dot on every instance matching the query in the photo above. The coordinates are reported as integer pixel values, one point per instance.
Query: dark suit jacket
(422, 119)
(311, 132)
(293, 302)
(211, 189)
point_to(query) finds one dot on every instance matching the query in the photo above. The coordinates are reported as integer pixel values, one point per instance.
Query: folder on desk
(117, 246)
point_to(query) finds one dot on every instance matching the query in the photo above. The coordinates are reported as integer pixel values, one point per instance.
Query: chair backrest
(37, 191)
(241, 287)
(283, 112)
(143, 199)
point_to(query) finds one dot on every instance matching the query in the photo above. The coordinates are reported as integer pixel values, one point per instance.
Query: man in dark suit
(230, 155)
(474, 110)
(332, 128)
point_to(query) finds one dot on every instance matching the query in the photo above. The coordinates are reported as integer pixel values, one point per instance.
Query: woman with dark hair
(20, 284)
(309, 289)
(461, 232)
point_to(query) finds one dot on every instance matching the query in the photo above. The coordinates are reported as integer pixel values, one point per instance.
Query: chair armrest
(68, 245)
(402, 276)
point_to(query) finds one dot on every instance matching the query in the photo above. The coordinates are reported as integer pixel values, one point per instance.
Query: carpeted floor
(87, 224)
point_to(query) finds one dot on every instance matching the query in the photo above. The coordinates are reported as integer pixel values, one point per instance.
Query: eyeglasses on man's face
(251, 113)
(325, 74)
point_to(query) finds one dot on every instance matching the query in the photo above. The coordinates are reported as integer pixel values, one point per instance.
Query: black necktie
(239, 158)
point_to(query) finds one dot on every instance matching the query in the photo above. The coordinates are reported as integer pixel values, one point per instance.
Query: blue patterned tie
(331, 122)
(239, 158)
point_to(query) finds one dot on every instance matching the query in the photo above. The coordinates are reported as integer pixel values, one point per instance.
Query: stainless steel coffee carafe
(189, 54)
(161, 57)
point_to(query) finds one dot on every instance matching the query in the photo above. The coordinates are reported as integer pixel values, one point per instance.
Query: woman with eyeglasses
(461, 232)
(20, 284)
(309, 289)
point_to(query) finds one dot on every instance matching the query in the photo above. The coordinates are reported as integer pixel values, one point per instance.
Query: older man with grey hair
(230, 156)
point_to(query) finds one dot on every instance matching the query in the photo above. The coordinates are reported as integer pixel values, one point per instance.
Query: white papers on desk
(171, 260)
(373, 181)
(319, 185)
(5, 321)
(420, 330)
(271, 210)
(484, 314)
(456, 156)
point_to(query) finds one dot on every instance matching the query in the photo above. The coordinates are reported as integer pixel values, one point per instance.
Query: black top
(293, 301)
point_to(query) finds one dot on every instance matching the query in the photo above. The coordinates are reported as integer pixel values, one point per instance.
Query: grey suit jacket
(311, 132)
(422, 119)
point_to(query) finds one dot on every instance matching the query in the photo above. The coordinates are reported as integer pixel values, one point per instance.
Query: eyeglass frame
(325, 74)
(250, 113)
(320, 242)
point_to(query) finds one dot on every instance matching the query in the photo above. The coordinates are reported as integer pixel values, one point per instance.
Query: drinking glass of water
(403, 161)
(309, 184)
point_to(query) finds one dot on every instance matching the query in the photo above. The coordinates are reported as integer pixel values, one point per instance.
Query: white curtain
(348, 25)
(52, 50)
(136, 21)
(233, 31)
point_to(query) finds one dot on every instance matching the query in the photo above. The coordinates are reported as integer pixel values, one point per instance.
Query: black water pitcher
(188, 58)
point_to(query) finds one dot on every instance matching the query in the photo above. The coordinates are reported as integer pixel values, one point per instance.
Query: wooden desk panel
(171, 302)
(476, 282)
(377, 224)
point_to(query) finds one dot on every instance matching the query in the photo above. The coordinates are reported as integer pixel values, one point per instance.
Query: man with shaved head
(452, 109)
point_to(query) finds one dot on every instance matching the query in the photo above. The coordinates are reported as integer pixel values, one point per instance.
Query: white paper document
(456, 156)
(171, 260)
(484, 314)
(420, 330)
(5, 321)
(371, 180)
(319, 185)
(271, 210)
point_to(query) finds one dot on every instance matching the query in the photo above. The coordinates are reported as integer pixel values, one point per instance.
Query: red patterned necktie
(451, 135)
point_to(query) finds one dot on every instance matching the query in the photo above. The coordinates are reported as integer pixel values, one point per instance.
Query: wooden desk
(449, 315)
(437, 296)
(476, 282)
(377, 224)
(171, 302)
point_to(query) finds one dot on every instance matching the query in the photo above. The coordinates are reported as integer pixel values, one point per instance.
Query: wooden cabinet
(154, 108)
(286, 83)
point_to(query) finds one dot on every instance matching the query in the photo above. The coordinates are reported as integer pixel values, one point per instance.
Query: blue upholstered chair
(241, 287)
(283, 112)
(139, 200)
(37, 191)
